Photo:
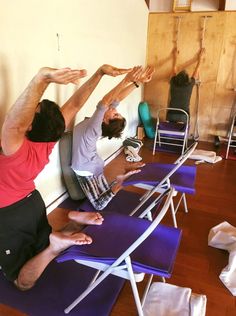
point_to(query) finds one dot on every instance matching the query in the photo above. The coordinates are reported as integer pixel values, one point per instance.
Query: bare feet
(60, 242)
(86, 218)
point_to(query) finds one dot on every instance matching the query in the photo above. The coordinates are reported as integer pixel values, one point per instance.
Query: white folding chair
(162, 176)
(231, 136)
(171, 133)
(128, 247)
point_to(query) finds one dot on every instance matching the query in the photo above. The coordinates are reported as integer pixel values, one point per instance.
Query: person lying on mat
(29, 133)
(181, 86)
(105, 122)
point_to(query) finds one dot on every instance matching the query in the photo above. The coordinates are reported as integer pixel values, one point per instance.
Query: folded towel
(165, 299)
(223, 236)
(205, 156)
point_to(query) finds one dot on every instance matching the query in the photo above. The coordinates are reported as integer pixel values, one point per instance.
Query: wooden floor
(197, 265)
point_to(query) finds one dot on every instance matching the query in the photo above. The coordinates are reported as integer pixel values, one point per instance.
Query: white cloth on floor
(165, 299)
(205, 156)
(198, 304)
(223, 236)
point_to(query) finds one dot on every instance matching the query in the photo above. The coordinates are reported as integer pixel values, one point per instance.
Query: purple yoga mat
(155, 255)
(183, 180)
(172, 148)
(124, 202)
(59, 285)
(172, 126)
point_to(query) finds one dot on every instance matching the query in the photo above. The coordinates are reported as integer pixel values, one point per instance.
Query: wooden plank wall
(217, 72)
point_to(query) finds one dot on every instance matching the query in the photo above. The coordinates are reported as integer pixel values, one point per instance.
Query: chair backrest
(72, 185)
(183, 180)
(182, 113)
(178, 163)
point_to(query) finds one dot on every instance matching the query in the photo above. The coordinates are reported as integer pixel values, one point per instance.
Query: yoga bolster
(146, 119)
(71, 182)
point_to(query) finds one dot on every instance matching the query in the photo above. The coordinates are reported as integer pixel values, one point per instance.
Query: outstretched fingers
(131, 172)
(121, 178)
(114, 71)
(134, 74)
(63, 75)
(147, 74)
(134, 165)
(67, 75)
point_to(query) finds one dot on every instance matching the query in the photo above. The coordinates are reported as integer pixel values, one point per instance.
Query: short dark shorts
(24, 232)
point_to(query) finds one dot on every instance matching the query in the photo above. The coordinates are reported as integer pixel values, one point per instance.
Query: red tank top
(18, 171)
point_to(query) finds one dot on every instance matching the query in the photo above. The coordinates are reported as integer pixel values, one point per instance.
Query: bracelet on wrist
(135, 83)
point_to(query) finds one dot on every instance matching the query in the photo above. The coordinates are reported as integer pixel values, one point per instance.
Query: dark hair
(181, 79)
(48, 125)
(114, 128)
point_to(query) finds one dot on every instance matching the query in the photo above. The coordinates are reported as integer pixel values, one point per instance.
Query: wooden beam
(148, 3)
(222, 5)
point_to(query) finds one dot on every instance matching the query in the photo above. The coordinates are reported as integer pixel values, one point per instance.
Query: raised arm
(113, 95)
(20, 116)
(144, 78)
(78, 99)
(175, 59)
(195, 74)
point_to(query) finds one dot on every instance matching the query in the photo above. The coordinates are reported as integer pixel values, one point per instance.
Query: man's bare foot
(60, 242)
(86, 218)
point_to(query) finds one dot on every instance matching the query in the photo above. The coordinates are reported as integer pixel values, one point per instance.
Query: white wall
(90, 33)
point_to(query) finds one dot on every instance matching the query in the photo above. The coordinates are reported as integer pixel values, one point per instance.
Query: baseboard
(113, 156)
(56, 202)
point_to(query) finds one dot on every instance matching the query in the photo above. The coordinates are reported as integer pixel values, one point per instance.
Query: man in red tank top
(29, 133)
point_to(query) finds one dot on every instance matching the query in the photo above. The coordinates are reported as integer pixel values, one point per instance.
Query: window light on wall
(182, 5)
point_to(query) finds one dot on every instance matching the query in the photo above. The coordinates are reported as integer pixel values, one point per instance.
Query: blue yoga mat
(59, 285)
